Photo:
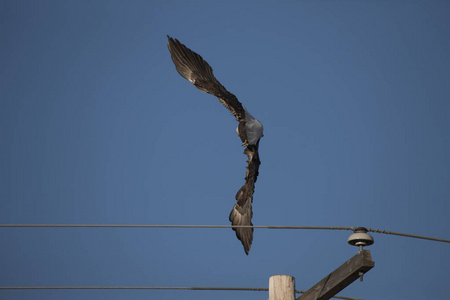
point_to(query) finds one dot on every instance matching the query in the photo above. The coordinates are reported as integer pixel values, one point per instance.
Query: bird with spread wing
(192, 67)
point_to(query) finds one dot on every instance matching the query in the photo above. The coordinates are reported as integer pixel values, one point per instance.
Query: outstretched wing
(241, 214)
(192, 67)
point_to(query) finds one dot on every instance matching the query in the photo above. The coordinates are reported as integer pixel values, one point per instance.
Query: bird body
(253, 129)
(193, 68)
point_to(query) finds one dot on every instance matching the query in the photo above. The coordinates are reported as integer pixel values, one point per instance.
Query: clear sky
(97, 127)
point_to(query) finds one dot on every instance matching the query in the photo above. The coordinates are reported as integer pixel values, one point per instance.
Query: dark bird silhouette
(192, 67)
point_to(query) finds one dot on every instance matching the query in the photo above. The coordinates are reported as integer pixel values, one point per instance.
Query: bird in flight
(192, 67)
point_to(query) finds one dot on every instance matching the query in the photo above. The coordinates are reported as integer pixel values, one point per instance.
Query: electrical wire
(152, 288)
(409, 235)
(130, 288)
(229, 226)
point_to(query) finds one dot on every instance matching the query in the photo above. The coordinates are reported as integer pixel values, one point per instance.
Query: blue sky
(97, 127)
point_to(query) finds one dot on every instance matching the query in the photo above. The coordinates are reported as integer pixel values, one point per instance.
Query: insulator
(360, 238)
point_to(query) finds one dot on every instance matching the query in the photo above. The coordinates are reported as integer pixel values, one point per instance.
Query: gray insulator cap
(360, 237)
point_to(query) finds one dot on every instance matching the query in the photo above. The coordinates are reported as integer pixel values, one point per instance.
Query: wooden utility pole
(281, 287)
(340, 278)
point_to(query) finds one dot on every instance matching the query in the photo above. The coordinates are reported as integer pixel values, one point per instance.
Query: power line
(409, 235)
(130, 288)
(227, 226)
(151, 288)
(178, 226)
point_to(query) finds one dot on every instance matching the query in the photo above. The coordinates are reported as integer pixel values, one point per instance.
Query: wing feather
(192, 67)
(241, 214)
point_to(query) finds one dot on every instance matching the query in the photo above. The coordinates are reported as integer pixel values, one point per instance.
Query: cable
(229, 226)
(130, 288)
(408, 235)
(178, 226)
(151, 288)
